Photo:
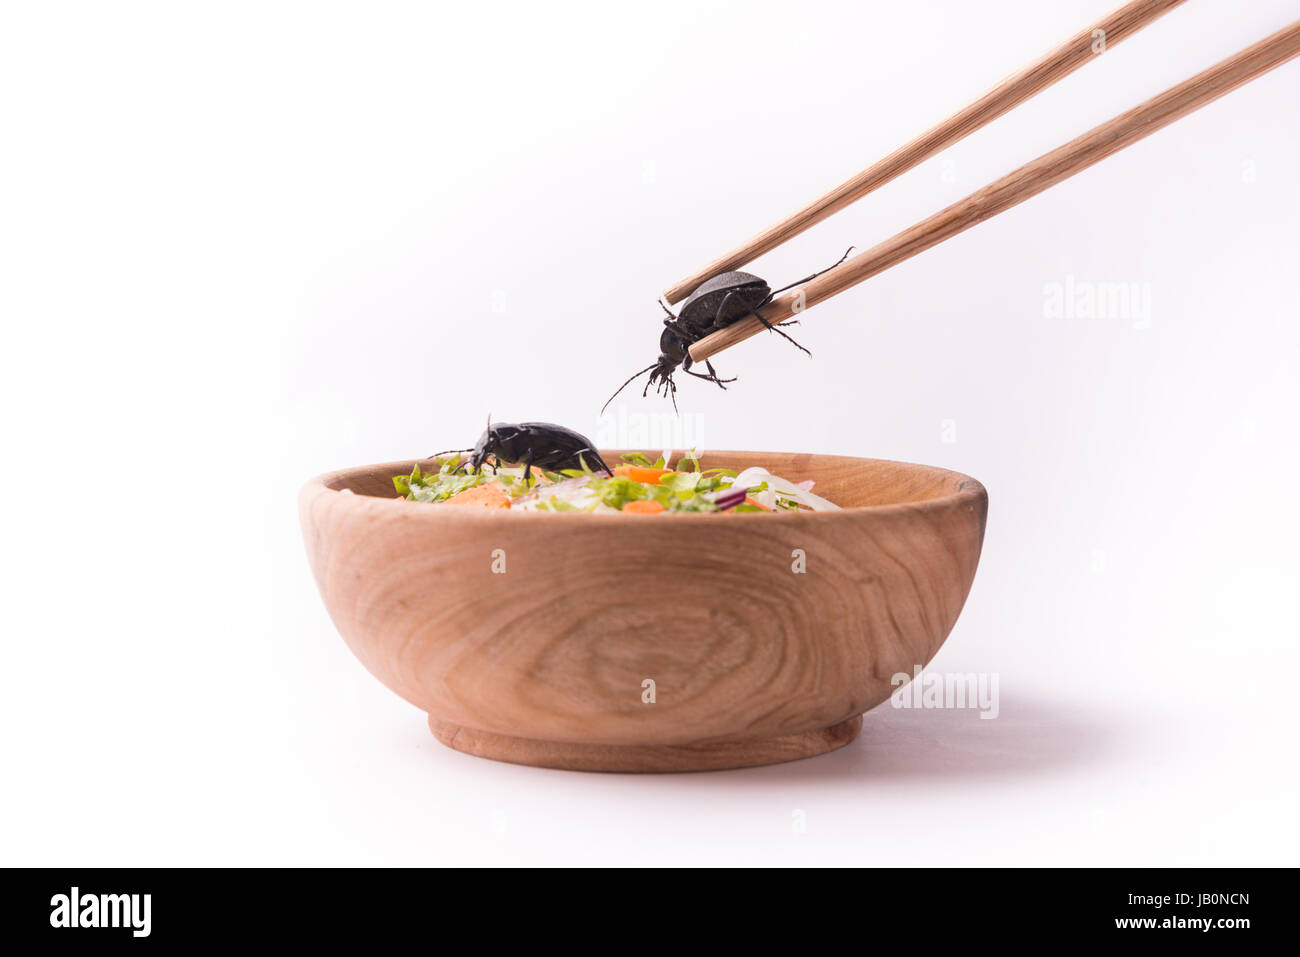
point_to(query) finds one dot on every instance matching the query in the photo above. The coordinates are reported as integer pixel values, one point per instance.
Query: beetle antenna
(625, 385)
(438, 455)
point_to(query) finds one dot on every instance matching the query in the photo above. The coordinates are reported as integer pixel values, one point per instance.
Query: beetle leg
(593, 459)
(814, 275)
(709, 365)
(773, 328)
(717, 315)
(709, 378)
(676, 326)
(712, 376)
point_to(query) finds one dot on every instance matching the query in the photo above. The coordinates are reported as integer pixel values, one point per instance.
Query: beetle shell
(700, 309)
(547, 445)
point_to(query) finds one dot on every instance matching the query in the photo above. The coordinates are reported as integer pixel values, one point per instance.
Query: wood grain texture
(1022, 184)
(1020, 86)
(646, 758)
(752, 662)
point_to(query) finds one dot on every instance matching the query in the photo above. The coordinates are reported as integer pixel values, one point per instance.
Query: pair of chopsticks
(1014, 188)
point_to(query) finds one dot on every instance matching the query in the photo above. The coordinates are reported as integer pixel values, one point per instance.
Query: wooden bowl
(649, 643)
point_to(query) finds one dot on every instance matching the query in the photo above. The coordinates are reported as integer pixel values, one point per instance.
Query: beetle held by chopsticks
(723, 306)
(714, 305)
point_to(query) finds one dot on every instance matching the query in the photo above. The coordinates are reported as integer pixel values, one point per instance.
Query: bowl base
(635, 758)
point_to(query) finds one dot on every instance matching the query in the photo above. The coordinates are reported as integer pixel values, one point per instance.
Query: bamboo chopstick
(1018, 186)
(1014, 90)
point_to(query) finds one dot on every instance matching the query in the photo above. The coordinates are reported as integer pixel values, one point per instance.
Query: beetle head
(672, 346)
(490, 442)
(661, 372)
(672, 353)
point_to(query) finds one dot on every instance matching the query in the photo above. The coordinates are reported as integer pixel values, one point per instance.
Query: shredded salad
(637, 487)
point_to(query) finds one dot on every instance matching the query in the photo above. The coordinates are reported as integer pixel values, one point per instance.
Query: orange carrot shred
(492, 495)
(639, 473)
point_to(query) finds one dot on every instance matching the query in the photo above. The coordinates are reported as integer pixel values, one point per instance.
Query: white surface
(246, 243)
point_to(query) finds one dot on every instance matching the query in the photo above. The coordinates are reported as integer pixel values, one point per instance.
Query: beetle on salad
(529, 444)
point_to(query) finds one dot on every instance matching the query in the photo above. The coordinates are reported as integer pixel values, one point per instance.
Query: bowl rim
(969, 492)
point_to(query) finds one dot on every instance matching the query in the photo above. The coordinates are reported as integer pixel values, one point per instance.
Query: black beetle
(715, 304)
(542, 444)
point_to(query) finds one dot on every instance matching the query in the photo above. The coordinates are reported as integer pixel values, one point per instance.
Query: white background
(241, 244)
